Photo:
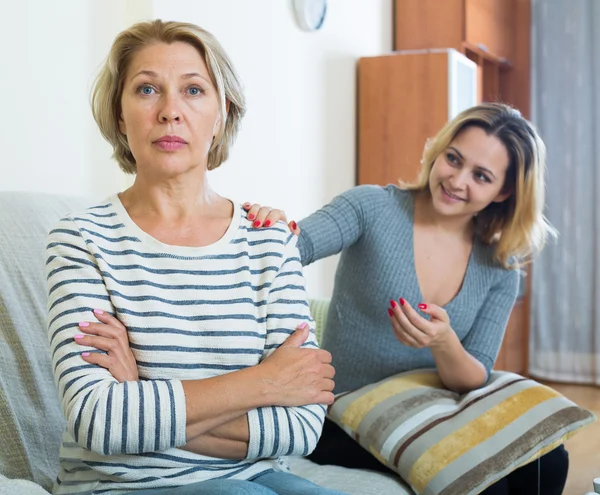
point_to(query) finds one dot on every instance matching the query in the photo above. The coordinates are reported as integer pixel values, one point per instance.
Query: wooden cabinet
(458, 24)
(403, 98)
(493, 33)
(513, 354)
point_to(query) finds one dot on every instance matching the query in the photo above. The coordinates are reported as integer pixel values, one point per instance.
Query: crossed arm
(214, 415)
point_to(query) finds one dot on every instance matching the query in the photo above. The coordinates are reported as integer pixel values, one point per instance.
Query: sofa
(31, 422)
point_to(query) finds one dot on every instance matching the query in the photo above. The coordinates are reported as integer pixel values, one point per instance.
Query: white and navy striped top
(191, 313)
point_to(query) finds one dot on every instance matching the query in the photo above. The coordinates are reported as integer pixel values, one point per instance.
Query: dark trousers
(336, 447)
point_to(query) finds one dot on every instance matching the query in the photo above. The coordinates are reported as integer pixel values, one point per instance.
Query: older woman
(168, 314)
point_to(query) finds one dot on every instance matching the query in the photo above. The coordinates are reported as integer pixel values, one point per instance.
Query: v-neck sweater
(373, 228)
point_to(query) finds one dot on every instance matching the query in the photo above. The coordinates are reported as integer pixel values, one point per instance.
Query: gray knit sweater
(373, 228)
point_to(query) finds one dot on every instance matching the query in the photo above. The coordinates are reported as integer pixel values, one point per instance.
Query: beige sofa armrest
(20, 487)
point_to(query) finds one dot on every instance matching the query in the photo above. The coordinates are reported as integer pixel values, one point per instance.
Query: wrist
(445, 342)
(264, 384)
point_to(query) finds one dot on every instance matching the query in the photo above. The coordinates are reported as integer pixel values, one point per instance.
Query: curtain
(565, 323)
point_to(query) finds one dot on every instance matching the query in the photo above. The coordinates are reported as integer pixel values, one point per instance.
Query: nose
(458, 181)
(170, 111)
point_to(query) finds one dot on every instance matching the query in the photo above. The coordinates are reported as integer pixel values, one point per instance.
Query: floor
(584, 447)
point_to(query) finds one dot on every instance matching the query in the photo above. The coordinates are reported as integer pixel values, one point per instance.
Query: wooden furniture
(403, 98)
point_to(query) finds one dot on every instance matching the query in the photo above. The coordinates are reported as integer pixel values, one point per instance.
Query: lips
(450, 195)
(170, 143)
(171, 139)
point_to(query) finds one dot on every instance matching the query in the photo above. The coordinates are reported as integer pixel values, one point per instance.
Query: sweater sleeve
(275, 430)
(485, 337)
(339, 224)
(102, 415)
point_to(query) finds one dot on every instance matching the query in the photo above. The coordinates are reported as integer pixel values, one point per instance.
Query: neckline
(466, 276)
(186, 251)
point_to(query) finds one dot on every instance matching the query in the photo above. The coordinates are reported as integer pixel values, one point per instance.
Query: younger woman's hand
(413, 330)
(109, 335)
(264, 216)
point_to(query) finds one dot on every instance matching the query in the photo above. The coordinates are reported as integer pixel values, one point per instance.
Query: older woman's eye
(145, 89)
(195, 90)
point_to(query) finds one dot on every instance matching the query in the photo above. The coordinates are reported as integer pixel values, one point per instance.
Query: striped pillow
(444, 443)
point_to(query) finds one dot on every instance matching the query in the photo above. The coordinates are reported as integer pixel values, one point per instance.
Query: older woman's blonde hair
(108, 87)
(516, 226)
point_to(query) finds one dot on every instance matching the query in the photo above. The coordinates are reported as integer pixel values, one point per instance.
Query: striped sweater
(191, 313)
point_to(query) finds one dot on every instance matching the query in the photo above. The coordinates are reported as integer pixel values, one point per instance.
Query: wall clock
(310, 14)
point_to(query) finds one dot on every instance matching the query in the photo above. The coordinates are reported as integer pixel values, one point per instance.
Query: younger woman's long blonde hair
(516, 227)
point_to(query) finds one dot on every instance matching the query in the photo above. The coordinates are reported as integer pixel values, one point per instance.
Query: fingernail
(422, 306)
(390, 312)
(294, 225)
(402, 301)
(246, 205)
(257, 223)
(393, 304)
(85, 354)
(267, 223)
(251, 217)
(303, 325)
(79, 336)
(98, 311)
(84, 323)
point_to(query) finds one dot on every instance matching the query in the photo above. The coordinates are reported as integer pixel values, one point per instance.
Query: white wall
(50, 52)
(297, 145)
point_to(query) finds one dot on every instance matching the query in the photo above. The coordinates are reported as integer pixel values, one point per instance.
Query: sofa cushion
(350, 481)
(444, 443)
(31, 422)
(318, 310)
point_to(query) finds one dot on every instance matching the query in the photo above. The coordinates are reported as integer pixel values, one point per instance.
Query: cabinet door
(402, 101)
(429, 24)
(489, 26)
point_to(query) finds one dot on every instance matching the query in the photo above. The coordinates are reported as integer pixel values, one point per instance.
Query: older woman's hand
(109, 335)
(265, 216)
(299, 376)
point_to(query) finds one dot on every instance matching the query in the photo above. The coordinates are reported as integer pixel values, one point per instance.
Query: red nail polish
(256, 223)
(402, 301)
(294, 225)
(393, 304)
(390, 312)
(267, 223)
(251, 217)
(422, 306)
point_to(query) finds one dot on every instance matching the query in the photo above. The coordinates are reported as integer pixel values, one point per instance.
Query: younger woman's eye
(452, 159)
(481, 177)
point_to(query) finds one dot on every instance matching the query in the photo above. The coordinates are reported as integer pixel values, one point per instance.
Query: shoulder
(499, 274)
(377, 199)
(101, 215)
(368, 193)
(274, 239)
